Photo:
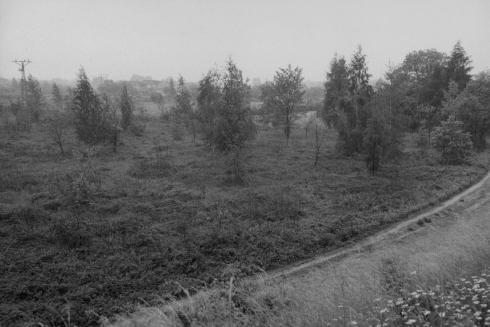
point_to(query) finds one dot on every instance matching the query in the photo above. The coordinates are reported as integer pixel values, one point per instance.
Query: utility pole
(22, 69)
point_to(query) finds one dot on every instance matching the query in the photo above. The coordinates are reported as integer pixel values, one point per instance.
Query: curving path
(468, 199)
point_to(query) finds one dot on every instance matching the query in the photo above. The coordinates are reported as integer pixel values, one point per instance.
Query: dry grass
(455, 243)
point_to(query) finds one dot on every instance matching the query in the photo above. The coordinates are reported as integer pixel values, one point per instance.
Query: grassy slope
(165, 212)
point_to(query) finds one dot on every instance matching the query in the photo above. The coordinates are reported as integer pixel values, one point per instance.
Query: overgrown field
(94, 233)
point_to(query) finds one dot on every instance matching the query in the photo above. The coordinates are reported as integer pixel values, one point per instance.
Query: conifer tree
(458, 67)
(34, 98)
(90, 119)
(184, 112)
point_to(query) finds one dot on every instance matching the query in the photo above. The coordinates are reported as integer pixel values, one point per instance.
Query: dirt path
(467, 200)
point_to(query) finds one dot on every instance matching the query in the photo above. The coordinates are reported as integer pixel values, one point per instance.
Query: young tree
(287, 93)
(90, 118)
(209, 100)
(224, 114)
(56, 125)
(336, 91)
(451, 141)
(458, 67)
(467, 108)
(34, 98)
(359, 87)
(381, 137)
(347, 93)
(233, 126)
(183, 110)
(57, 98)
(126, 106)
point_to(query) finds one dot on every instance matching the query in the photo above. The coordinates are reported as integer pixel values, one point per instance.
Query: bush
(451, 141)
(78, 187)
(56, 125)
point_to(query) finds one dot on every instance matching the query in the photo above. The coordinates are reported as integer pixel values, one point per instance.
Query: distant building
(140, 78)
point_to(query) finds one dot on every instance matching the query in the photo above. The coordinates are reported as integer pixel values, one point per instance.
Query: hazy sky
(171, 37)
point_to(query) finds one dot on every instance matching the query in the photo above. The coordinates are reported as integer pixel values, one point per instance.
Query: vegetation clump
(453, 143)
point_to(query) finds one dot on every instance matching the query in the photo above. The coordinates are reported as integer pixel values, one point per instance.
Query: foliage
(375, 140)
(184, 113)
(222, 109)
(451, 141)
(429, 116)
(57, 124)
(284, 94)
(91, 124)
(208, 101)
(34, 98)
(336, 91)
(458, 66)
(347, 93)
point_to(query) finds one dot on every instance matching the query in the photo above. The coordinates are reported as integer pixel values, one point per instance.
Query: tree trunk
(317, 146)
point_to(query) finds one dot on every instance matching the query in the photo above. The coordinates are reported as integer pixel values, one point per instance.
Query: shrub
(224, 116)
(56, 125)
(78, 187)
(451, 141)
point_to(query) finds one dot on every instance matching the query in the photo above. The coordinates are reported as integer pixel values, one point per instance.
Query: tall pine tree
(458, 67)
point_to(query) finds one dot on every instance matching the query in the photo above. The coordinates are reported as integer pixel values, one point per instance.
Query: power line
(22, 68)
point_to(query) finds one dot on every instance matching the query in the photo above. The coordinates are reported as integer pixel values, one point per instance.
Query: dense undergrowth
(93, 233)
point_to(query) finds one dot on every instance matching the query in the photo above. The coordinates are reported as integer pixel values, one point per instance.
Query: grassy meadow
(433, 273)
(94, 233)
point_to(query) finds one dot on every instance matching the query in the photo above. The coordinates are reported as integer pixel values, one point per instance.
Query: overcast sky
(164, 38)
